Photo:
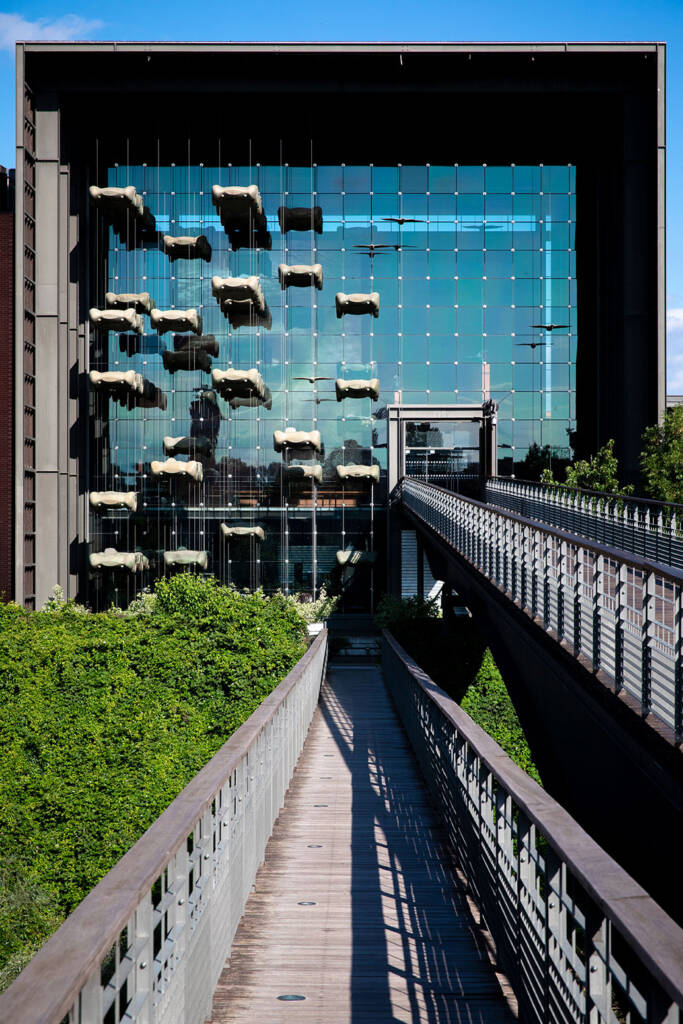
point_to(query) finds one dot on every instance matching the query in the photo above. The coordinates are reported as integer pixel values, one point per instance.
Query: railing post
(620, 611)
(597, 621)
(648, 599)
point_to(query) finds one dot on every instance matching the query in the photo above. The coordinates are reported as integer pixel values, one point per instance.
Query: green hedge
(105, 718)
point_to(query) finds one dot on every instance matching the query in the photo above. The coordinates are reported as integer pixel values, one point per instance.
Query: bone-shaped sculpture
(121, 320)
(238, 289)
(353, 472)
(117, 200)
(186, 247)
(243, 313)
(184, 557)
(186, 359)
(300, 275)
(237, 201)
(357, 304)
(141, 302)
(110, 558)
(114, 499)
(357, 388)
(239, 383)
(312, 472)
(300, 218)
(117, 380)
(174, 467)
(256, 532)
(346, 558)
(292, 439)
(164, 320)
(184, 445)
(253, 402)
(207, 343)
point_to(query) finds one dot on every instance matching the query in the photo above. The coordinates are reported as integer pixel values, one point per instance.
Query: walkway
(355, 906)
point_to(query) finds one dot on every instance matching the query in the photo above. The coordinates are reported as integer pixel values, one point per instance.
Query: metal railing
(578, 939)
(624, 614)
(148, 943)
(651, 529)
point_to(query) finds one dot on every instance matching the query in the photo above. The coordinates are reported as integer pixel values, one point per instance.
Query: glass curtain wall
(476, 273)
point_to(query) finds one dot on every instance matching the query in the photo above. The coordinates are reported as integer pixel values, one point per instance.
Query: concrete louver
(184, 445)
(123, 321)
(286, 440)
(349, 558)
(357, 304)
(110, 558)
(312, 472)
(300, 275)
(117, 381)
(185, 557)
(300, 218)
(238, 289)
(141, 302)
(186, 359)
(230, 532)
(186, 247)
(181, 320)
(369, 474)
(357, 389)
(114, 499)
(174, 467)
(231, 384)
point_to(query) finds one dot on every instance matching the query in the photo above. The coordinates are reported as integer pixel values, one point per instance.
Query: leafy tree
(599, 473)
(106, 717)
(662, 457)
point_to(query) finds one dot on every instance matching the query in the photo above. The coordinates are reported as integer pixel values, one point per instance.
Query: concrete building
(234, 260)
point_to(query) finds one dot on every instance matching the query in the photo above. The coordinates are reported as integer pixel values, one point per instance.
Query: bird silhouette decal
(379, 248)
(551, 327)
(405, 220)
(529, 344)
(312, 380)
(319, 400)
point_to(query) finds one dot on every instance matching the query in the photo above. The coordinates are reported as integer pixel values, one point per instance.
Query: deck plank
(388, 937)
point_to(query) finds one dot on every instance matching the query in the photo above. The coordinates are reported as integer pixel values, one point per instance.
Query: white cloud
(674, 351)
(68, 26)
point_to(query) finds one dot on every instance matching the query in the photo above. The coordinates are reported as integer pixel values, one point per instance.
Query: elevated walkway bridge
(359, 851)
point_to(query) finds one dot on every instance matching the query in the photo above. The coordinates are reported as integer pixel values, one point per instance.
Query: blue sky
(471, 20)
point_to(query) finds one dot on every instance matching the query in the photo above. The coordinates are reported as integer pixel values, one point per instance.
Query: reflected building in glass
(251, 274)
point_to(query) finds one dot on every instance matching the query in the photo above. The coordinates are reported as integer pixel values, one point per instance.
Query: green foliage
(314, 611)
(488, 703)
(662, 457)
(106, 717)
(599, 473)
(462, 665)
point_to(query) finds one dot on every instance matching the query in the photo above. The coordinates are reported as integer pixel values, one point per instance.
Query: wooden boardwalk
(355, 906)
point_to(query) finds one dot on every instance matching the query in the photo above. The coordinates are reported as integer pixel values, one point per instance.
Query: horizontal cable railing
(652, 529)
(623, 613)
(578, 939)
(148, 943)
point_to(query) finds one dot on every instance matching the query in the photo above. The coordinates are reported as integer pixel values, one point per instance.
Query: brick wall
(6, 384)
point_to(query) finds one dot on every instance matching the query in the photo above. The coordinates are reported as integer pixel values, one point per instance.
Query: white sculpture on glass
(238, 289)
(298, 472)
(357, 304)
(174, 467)
(185, 557)
(110, 558)
(186, 247)
(185, 445)
(181, 320)
(123, 321)
(357, 388)
(141, 302)
(231, 384)
(257, 532)
(368, 474)
(115, 200)
(117, 381)
(290, 440)
(114, 499)
(300, 275)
